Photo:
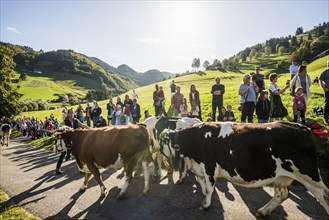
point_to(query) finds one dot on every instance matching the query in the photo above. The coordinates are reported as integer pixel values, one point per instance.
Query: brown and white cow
(250, 155)
(5, 131)
(109, 147)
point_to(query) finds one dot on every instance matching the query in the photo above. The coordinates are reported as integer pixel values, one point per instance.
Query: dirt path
(27, 175)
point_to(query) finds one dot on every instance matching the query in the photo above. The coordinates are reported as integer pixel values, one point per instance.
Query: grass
(9, 210)
(231, 81)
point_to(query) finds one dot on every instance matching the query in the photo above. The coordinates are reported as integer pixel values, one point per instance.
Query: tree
(293, 41)
(299, 30)
(309, 36)
(23, 76)
(281, 50)
(268, 50)
(196, 64)
(252, 53)
(8, 93)
(206, 64)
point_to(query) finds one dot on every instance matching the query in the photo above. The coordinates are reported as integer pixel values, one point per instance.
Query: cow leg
(146, 177)
(85, 182)
(202, 183)
(209, 185)
(128, 177)
(187, 165)
(280, 194)
(320, 192)
(94, 170)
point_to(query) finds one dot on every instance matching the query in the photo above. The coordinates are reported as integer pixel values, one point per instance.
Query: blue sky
(164, 35)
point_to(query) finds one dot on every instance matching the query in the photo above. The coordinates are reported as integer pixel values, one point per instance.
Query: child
(229, 114)
(194, 109)
(263, 107)
(183, 108)
(299, 105)
(222, 115)
(118, 114)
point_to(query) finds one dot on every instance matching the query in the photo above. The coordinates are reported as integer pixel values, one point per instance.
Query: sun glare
(183, 22)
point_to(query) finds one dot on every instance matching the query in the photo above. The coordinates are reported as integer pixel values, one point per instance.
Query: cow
(250, 155)
(108, 147)
(5, 132)
(155, 125)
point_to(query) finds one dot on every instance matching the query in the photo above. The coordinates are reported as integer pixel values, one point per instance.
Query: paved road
(27, 175)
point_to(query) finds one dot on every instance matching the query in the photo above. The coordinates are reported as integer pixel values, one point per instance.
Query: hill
(56, 73)
(142, 79)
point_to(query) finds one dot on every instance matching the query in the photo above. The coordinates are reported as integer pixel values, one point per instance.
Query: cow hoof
(120, 196)
(82, 190)
(145, 192)
(260, 215)
(203, 208)
(102, 196)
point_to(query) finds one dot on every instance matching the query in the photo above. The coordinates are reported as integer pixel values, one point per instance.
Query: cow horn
(176, 147)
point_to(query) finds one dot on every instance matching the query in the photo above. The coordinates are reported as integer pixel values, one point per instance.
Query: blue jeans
(88, 121)
(326, 105)
(260, 121)
(95, 120)
(176, 113)
(216, 105)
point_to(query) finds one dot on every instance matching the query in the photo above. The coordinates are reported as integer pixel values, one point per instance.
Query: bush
(41, 106)
(283, 66)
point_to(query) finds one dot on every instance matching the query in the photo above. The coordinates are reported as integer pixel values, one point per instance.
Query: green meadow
(203, 83)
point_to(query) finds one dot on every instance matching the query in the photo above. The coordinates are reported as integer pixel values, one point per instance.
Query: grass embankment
(9, 210)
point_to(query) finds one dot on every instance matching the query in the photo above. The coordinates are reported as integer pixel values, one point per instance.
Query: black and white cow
(250, 155)
(5, 131)
(155, 125)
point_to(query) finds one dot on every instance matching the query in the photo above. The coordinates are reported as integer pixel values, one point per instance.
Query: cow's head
(60, 144)
(168, 148)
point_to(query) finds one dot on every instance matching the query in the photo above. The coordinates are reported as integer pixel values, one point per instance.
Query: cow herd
(249, 155)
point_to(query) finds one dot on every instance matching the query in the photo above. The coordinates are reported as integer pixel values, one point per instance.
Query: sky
(163, 35)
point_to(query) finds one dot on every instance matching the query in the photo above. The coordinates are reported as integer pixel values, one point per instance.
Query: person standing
(177, 101)
(88, 114)
(302, 79)
(127, 104)
(72, 122)
(134, 95)
(172, 88)
(247, 91)
(277, 109)
(263, 107)
(195, 101)
(324, 83)
(162, 99)
(110, 109)
(293, 69)
(259, 79)
(156, 101)
(299, 104)
(97, 111)
(183, 108)
(136, 112)
(79, 113)
(217, 92)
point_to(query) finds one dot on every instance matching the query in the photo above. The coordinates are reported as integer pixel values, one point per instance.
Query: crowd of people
(253, 97)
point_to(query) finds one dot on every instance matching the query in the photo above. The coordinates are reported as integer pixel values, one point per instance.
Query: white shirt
(273, 87)
(293, 69)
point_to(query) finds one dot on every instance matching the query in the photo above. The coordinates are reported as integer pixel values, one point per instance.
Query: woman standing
(247, 91)
(302, 79)
(277, 109)
(195, 101)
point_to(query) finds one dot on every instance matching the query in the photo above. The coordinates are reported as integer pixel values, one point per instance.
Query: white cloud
(14, 30)
(149, 40)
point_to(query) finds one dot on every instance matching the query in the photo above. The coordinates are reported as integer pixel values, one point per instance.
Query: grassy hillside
(231, 80)
(62, 72)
